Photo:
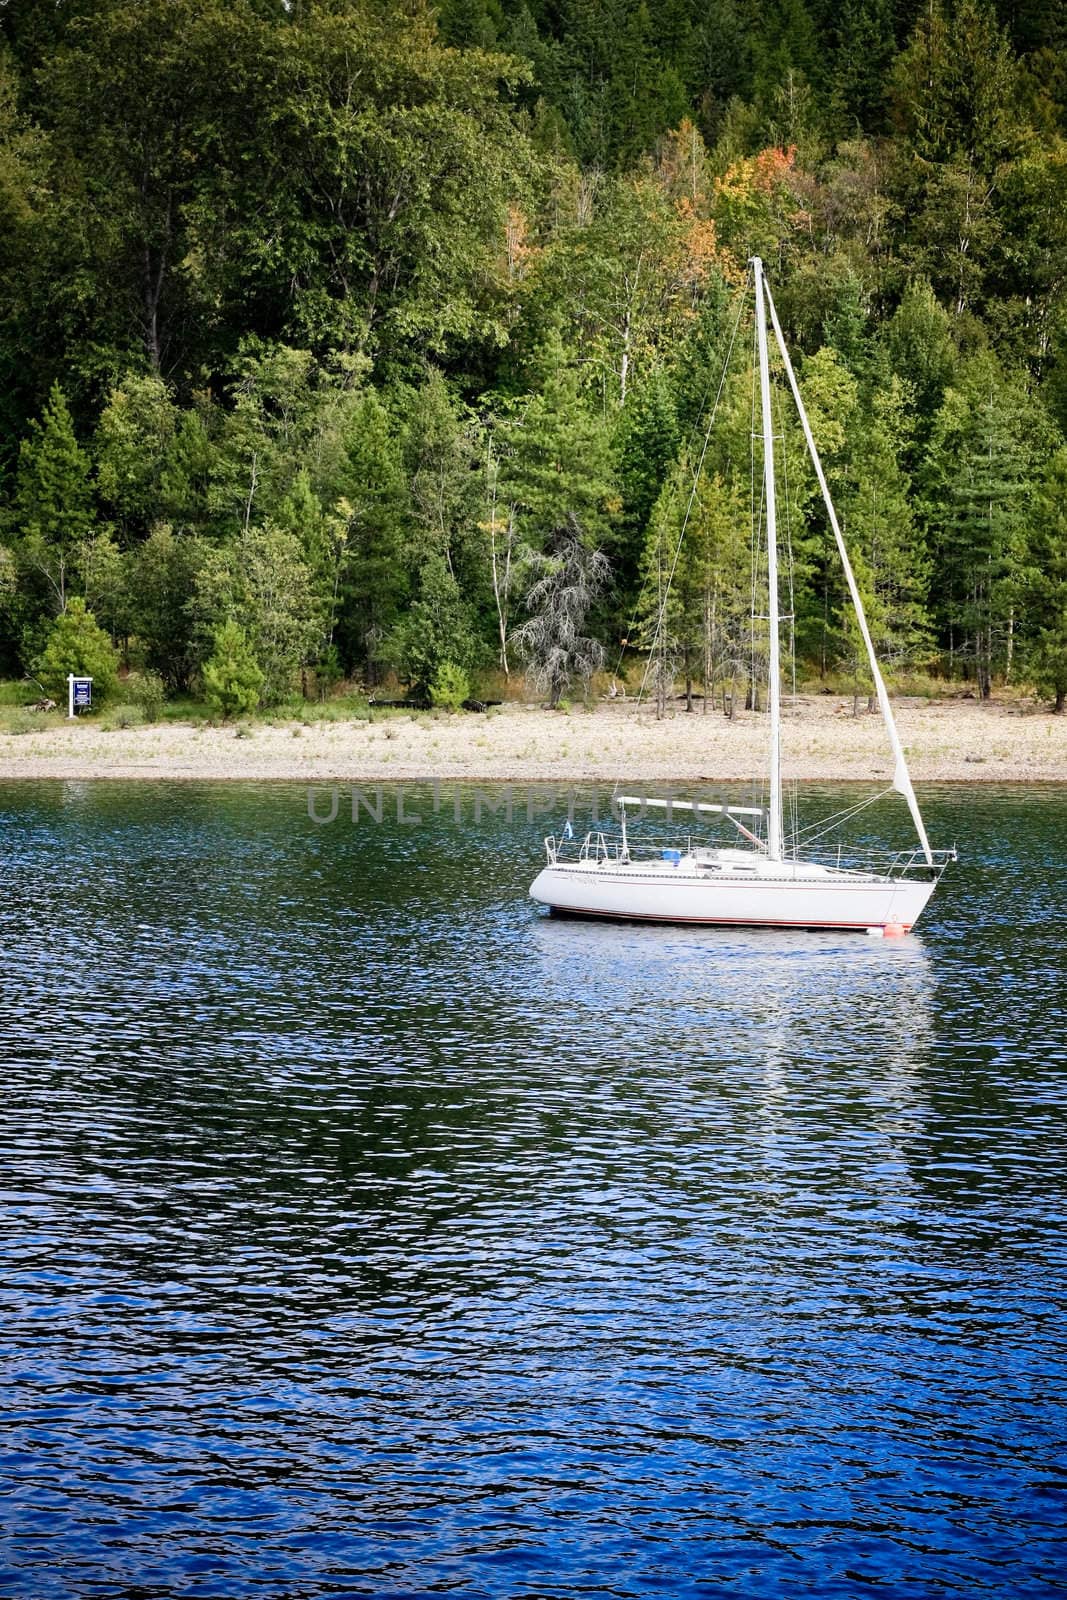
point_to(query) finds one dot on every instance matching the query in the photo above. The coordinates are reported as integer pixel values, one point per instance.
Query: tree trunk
(708, 623)
(155, 273)
(153, 288)
(624, 365)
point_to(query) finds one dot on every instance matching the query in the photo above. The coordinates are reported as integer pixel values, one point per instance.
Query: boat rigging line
(662, 608)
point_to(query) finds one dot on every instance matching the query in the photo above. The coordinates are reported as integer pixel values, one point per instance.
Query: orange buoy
(894, 930)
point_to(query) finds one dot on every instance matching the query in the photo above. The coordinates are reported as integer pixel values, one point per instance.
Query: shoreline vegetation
(946, 741)
(344, 341)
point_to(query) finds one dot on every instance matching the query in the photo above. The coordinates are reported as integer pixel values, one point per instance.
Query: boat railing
(883, 863)
(597, 846)
(603, 845)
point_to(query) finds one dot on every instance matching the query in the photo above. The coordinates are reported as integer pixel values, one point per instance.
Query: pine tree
(442, 460)
(986, 441)
(134, 440)
(373, 514)
(695, 613)
(864, 47)
(956, 95)
(646, 443)
(232, 679)
(53, 512)
(919, 341)
(77, 644)
(1045, 591)
(556, 462)
(885, 546)
(435, 634)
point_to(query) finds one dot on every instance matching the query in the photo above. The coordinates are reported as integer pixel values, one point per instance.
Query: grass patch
(20, 692)
(125, 716)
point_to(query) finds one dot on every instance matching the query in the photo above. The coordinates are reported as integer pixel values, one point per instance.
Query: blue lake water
(367, 1233)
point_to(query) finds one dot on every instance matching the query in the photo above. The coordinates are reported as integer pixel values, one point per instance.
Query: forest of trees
(371, 339)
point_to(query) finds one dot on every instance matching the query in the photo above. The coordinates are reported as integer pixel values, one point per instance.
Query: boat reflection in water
(771, 1013)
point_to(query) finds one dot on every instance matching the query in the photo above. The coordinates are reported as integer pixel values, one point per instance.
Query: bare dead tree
(568, 579)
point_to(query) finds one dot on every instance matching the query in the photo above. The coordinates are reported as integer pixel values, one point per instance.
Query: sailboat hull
(653, 892)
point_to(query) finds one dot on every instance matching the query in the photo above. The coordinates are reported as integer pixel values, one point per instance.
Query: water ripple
(365, 1233)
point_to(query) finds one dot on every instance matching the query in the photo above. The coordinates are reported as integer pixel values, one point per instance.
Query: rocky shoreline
(946, 741)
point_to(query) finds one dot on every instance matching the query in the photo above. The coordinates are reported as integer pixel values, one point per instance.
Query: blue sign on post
(80, 694)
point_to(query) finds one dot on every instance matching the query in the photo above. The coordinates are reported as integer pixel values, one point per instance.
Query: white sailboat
(767, 881)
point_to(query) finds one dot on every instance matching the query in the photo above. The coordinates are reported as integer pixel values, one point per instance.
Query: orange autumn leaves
(628, 260)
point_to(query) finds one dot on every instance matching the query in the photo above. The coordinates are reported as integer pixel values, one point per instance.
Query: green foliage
(556, 460)
(53, 511)
(371, 526)
(955, 87)
(449, 687)
(124, 716)
(147, 691)
(646, 447)
(988, 443)
(886, 547)
(78, 645)
(328, 670)
(699, 623)
(377, 209)
(922, 350)
(57, 548)
(232, 678)
(1046, 583)
(332, 319)
(163, 573)
(263, 583)
(18, 693)
(436, 633)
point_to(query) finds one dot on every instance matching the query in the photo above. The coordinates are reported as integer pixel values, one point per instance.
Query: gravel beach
(956, 740)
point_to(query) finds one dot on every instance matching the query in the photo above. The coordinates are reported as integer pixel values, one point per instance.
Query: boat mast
(774, 669)
(901, 776)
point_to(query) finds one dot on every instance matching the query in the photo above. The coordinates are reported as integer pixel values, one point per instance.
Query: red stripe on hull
(718, 922)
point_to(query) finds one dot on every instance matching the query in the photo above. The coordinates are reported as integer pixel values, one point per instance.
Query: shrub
(328, 671)
(14, 692)
(126, 717)
(449, 687)
(232, 680)
(146, 690)
(78, 644)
